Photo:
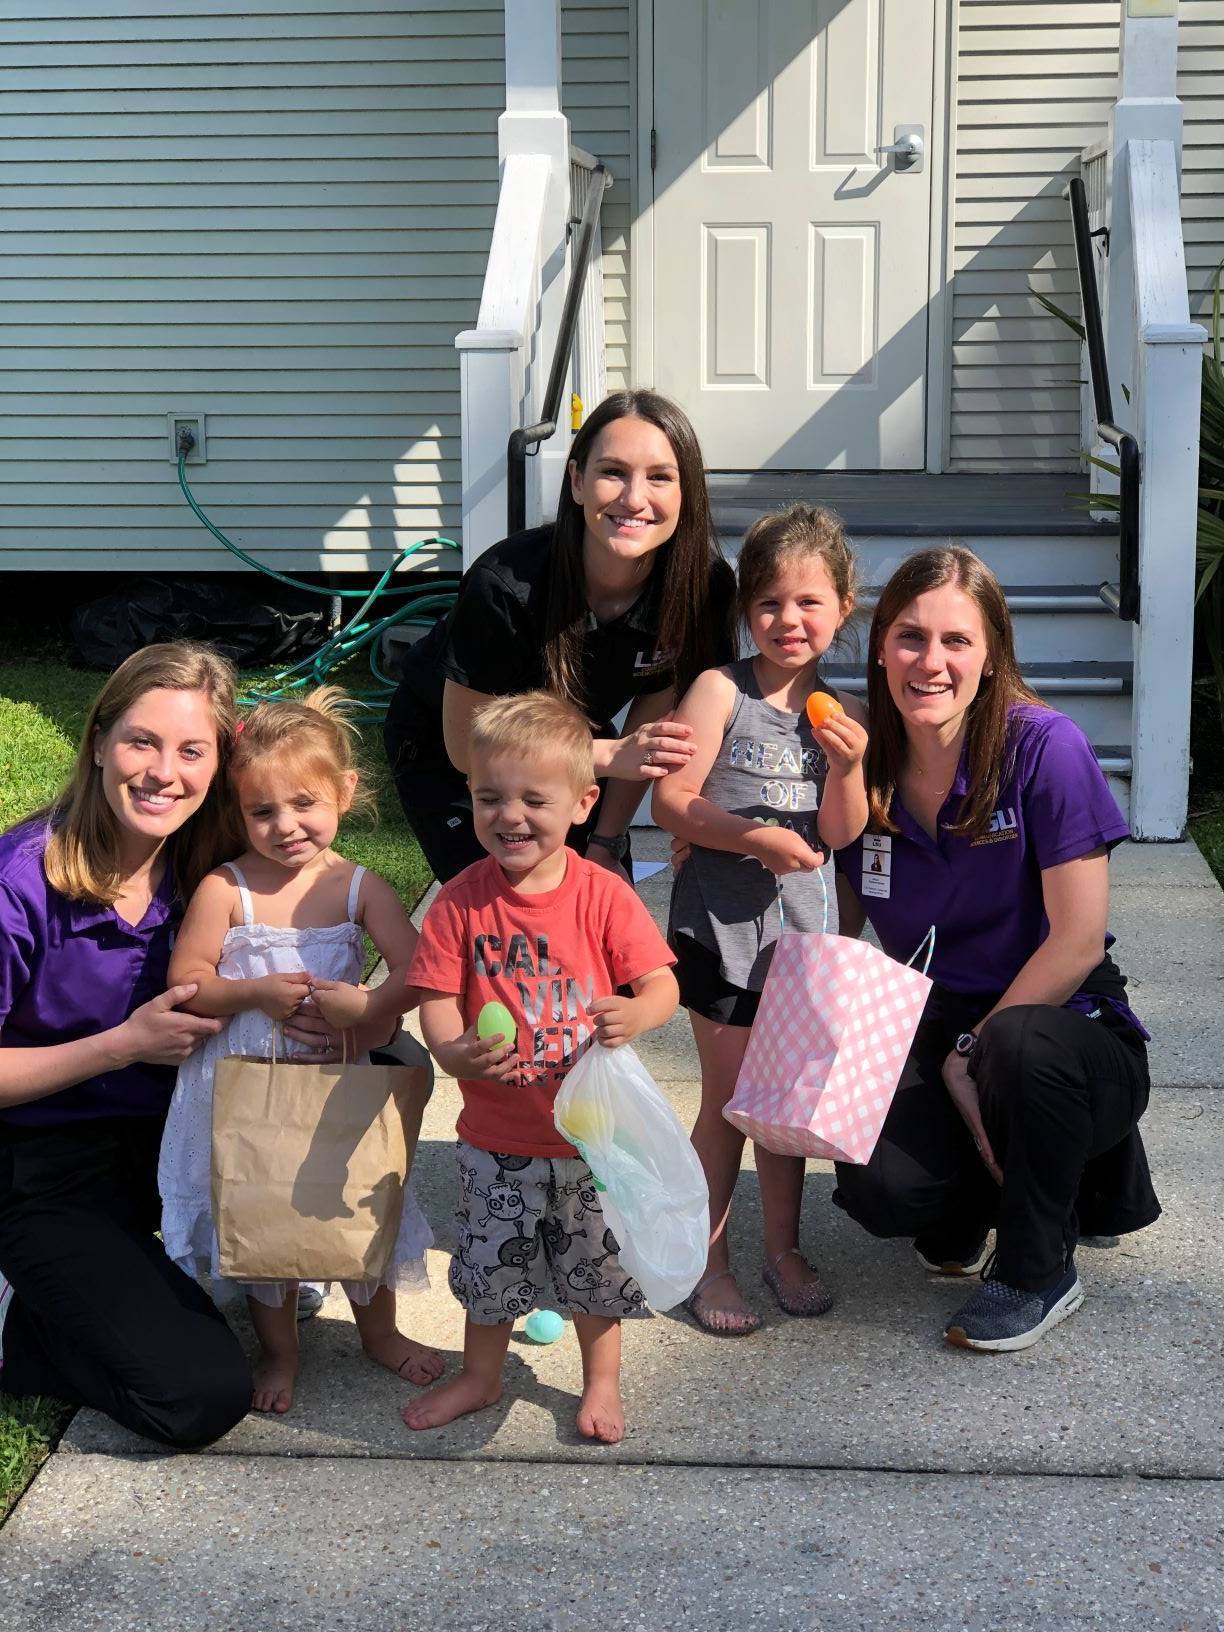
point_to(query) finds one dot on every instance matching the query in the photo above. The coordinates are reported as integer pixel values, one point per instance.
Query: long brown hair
(81, 858)
(687, 561)
(987, 736)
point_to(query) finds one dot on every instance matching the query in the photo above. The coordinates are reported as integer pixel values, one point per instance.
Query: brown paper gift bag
(309, 1164)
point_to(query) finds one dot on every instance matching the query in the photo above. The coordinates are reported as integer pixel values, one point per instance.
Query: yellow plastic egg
(588, 1123)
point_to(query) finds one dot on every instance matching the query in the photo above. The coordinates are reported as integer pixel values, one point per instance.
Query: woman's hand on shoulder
(782, 850)
(651, 751)
(161, 1033)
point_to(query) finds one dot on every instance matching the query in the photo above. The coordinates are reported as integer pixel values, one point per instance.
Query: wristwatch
(617, 843)
(965, 1044)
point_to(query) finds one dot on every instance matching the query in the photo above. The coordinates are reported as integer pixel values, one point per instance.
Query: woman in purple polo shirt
(991, 820)
(91, 891)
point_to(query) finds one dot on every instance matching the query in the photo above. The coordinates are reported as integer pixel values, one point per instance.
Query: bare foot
(458, 1398)
(273, 1382)
(405, 1357)
(601, 1415)
(717, 1306)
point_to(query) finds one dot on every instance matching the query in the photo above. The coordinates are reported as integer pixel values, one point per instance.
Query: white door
(790, 254)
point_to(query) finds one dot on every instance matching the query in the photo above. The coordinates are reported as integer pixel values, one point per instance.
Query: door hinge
(654, 148)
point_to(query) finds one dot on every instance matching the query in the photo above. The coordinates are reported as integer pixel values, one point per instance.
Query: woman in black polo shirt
(624, 599)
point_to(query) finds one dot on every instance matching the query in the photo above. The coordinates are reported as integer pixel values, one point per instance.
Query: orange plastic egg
(821, 708)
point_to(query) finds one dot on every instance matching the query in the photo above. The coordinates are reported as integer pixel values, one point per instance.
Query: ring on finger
(650, 756)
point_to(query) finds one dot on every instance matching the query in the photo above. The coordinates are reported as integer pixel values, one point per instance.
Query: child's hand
(844, 742)
(279, 996)
(339, 1002)
(782, 850)
(480, 1059)
(617, 1020)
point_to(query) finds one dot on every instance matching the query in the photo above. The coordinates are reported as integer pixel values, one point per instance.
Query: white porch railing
(495, 372)
(1155, 352)
(590, 355)
(505, 360)
(1094, 170)
(1167, 374)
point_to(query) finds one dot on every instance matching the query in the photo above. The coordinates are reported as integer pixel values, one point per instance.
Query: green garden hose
(420, 604)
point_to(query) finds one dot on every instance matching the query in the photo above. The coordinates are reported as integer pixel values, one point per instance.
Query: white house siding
(1200, 85)
(276, 211)
(599, 76)
(1033, 85)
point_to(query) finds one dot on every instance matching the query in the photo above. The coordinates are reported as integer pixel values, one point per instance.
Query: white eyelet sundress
(333, 952)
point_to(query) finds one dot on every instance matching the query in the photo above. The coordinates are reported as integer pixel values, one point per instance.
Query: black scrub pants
(99, 1315)
(1058, 1091)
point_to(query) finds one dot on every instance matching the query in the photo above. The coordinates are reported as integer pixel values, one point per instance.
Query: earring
(97, 762)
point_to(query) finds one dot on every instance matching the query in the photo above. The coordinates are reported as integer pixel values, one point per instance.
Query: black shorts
(703, 988)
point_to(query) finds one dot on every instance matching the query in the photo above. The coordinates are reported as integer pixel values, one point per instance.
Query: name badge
(877, 865)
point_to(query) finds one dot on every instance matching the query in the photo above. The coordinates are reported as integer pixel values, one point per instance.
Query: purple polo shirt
(983, 895)
(69, 969)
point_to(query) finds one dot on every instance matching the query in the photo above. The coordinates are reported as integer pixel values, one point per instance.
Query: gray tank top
(771, 769)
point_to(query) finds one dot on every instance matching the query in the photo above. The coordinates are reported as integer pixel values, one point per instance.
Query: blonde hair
(798, 533)
(313, 738)
(536, 725)
(81, 858)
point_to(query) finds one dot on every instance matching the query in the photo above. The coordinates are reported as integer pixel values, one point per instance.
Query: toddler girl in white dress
(280, 926)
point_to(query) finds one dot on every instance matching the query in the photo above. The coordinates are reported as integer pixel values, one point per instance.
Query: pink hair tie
(239, 728)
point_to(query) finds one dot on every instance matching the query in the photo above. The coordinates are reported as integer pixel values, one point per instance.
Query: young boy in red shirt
(552, 936)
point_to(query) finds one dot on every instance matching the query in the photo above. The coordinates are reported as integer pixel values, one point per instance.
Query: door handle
(908, 148)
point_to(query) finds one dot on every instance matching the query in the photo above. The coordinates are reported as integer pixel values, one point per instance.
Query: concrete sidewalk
(845, 1472)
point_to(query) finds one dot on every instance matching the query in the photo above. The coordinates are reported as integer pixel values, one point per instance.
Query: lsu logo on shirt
(1003, 826)
(649, 662)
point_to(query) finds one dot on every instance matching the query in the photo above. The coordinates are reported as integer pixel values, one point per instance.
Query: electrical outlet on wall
(194, 422)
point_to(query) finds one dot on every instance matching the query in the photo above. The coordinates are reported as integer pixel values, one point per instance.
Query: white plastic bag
(654, 1192)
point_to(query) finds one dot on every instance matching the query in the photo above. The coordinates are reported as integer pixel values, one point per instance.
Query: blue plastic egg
(544, 1326)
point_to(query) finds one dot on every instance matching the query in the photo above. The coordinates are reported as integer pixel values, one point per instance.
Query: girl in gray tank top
(763, 799)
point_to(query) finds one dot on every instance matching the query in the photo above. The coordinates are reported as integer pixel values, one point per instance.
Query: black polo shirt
(492, 640)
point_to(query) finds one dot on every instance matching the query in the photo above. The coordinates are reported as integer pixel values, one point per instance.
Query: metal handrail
(1124, 597)
(527, 439)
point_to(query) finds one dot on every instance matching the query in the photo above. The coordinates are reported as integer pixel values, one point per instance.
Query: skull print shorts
(530, 1229)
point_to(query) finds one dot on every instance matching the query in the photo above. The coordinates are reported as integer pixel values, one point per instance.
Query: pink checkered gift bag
(835, 1023)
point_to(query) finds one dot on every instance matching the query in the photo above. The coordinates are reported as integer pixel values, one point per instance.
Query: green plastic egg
(495, 1020)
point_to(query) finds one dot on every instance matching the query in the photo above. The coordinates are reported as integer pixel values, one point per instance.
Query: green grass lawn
(43, 704)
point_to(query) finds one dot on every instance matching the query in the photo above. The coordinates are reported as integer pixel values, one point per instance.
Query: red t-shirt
(547, 958)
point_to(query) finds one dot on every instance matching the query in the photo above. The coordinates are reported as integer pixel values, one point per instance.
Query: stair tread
(917, 504)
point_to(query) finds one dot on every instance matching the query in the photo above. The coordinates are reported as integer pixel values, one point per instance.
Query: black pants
(99, 1315)
(1061, 1095)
